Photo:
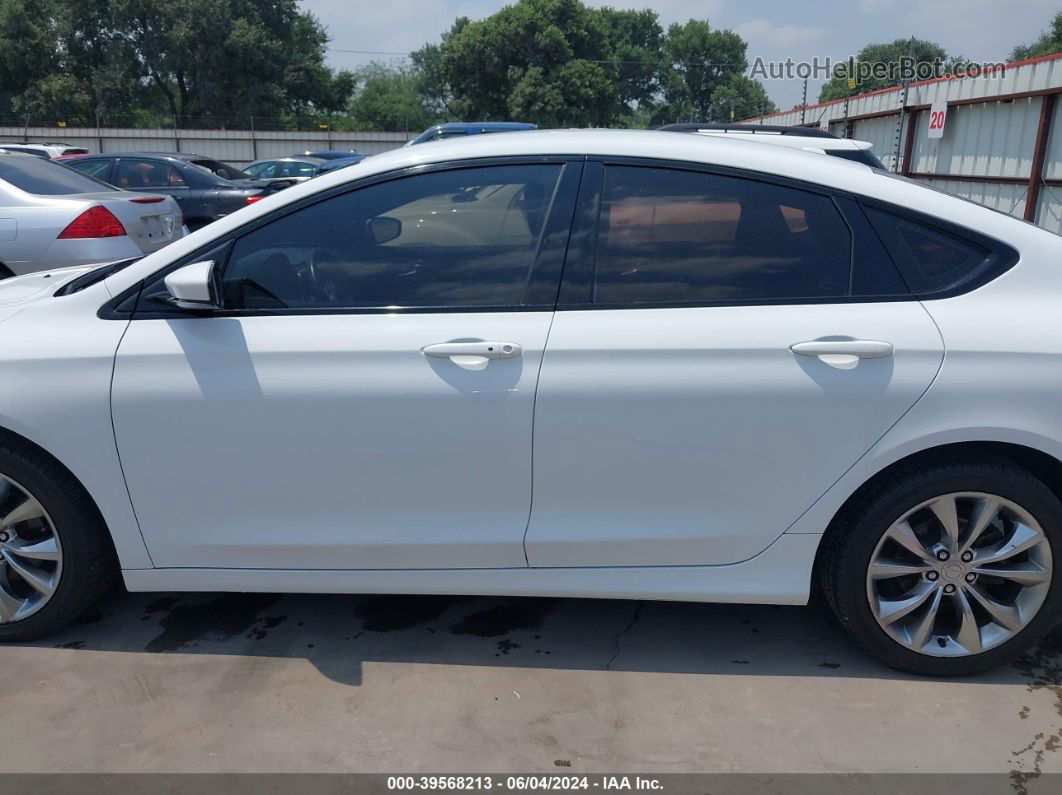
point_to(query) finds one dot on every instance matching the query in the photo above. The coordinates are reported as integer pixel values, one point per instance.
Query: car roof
(291, 159)
(484, 125)
(168, 155)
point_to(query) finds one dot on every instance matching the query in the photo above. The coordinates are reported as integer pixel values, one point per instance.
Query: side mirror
(384, 229)
(192, 286)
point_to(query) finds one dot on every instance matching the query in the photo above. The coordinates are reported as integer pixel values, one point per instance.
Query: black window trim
(579, 264)
(127, 306)
(1000, 259)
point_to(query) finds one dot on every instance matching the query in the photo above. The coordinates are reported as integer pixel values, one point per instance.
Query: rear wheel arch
(1041, 465)
(5, 272)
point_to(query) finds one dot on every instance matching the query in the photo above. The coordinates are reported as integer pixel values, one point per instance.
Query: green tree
(552, 62)
(933, 57)
(702, 77)
(183, 58)
(388, 97)
(1049, 42)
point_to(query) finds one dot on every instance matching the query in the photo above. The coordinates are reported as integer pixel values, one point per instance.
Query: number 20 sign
(938, 115)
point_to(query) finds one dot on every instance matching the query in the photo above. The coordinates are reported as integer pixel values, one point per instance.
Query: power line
(587, 60)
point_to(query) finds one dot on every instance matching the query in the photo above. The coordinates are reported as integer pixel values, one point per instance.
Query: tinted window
(680, 237)
(460, 238)
(930, 259)
(295, 169)
(93, 168)
(45, 178)
(262, 170)
(134, 174)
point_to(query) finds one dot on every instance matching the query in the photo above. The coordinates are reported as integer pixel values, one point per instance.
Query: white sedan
(595, 364)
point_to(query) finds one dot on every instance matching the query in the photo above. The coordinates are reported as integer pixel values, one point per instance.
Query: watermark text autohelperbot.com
(902, 69)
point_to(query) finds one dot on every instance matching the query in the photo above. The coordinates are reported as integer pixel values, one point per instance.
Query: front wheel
(55, 555)
(948, 569)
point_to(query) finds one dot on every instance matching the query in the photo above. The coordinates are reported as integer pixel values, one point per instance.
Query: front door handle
(473, 355)
(852, 349)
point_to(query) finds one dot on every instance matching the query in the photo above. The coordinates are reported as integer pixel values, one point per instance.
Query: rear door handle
(473, 355)
(859, 349)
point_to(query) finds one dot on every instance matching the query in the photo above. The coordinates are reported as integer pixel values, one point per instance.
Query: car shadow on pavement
(340, 633)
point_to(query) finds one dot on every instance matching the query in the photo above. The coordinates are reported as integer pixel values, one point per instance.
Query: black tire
(89, 563)
(852, 538)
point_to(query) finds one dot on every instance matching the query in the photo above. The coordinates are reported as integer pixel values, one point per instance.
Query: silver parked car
(52, 217)
(285, 170)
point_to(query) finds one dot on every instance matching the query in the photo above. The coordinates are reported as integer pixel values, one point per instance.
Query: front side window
(134, 174)
(462, 238)
(685, 237)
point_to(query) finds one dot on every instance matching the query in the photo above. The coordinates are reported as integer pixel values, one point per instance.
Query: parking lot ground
(258, 683)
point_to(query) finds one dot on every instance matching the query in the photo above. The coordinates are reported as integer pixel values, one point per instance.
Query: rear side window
(685, 237)
(134, 174)
(936, 260)
(45, 178)
(461, 238)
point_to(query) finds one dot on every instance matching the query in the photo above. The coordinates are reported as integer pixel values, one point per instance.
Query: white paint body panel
(695, 436)
(342, 415)
(328, 441)
(778, 576)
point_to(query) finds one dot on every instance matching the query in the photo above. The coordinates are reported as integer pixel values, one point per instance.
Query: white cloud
(763, 31)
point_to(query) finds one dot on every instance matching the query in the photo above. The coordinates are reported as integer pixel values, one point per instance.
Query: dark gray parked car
(204, 188)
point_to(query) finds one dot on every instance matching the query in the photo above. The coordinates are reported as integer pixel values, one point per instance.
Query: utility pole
(804, 103)
(905, 83)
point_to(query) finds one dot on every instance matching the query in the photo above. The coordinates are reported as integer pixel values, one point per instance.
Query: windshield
(223, 170)
(46, 178)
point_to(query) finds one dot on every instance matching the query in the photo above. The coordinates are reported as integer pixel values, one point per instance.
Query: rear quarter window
(936, 258)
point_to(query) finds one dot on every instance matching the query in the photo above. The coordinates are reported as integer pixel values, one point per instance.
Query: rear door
(726, 346)
(149, 175)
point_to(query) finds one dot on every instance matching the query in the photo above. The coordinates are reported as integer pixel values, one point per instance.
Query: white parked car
(45, 150)
(52, 217)
(807, 138)
(744, 371)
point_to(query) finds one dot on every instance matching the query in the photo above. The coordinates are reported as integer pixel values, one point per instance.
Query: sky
(979, 30)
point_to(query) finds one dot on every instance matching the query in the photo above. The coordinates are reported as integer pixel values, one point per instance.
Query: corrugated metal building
(1002, 140)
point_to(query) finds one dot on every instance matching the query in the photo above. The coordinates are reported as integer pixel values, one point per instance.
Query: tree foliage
(561, 63)
(933, 56)
(556, 63)
(190, 59)
(1050, 42)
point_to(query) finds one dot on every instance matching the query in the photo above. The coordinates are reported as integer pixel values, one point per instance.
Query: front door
(364, 400)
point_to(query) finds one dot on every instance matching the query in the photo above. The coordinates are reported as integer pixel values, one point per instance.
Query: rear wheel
(55, 555)
(946, 568)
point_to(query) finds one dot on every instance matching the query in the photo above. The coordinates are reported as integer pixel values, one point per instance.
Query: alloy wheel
(959, 574)
(31, 556)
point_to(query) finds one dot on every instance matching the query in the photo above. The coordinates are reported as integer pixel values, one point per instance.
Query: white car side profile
(569, 363)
